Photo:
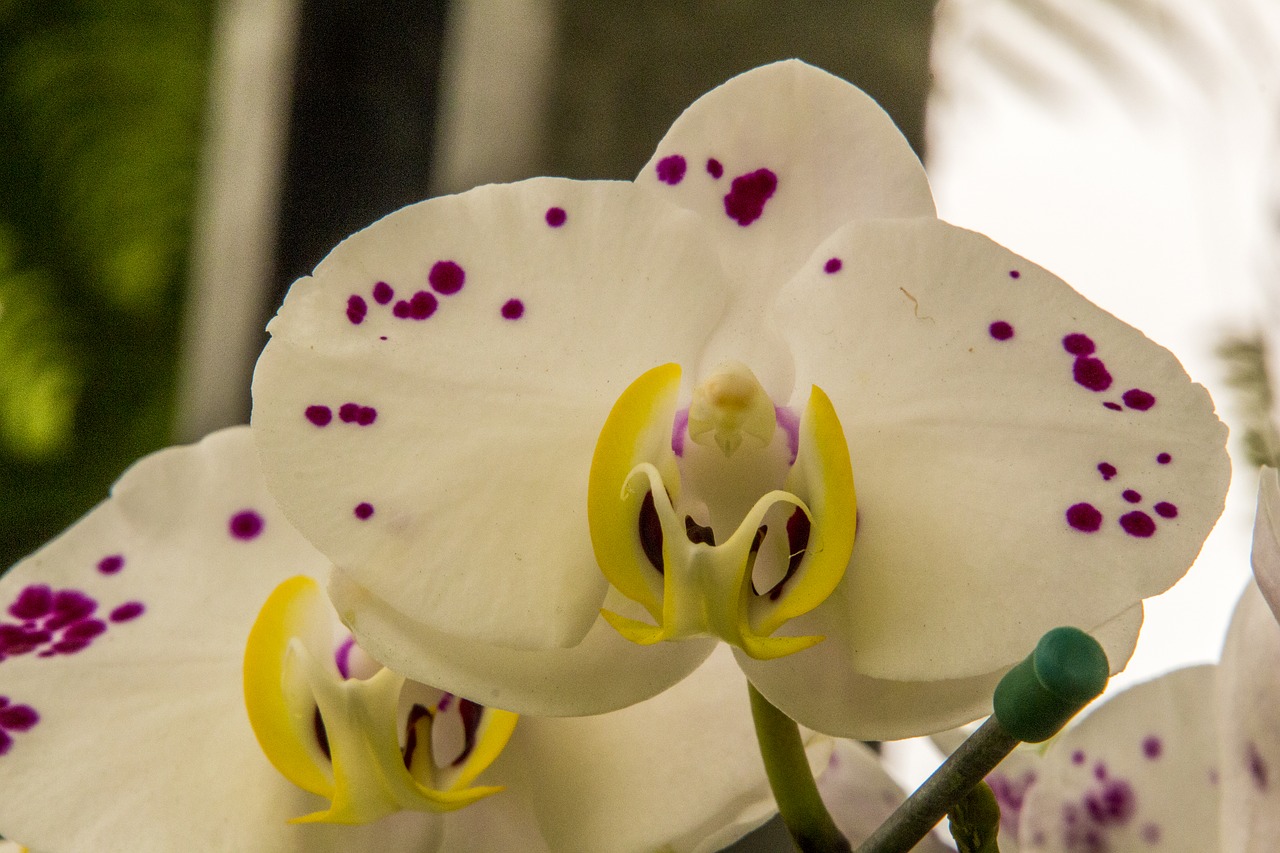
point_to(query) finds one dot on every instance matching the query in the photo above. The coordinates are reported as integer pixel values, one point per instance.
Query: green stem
(787, 766)
(963, 769)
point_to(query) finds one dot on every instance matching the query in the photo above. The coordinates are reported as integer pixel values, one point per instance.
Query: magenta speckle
(17, 718)
(833, 265)
(1152, 747)
(1091, 373)
(1164, 509)
(1077, 757)
(319, 415)
(33, 602)
(356, 309)
(420, 306)
(85, 629)
(1014, 274)
(1100, 771)
(127, 611)
(1131, 496)
(1115, 407)
(1000, 330)
(363, 511)
(679, 426)
(1257, 766)
(382, 293)
(556, 216)
(1164, 458)
(69, 606)
(354, 413)
(671, 169)
(1138, 523)
(1136, 398)
(747, 196)
(111, 564)
(1151, 833)
(716, 169)
(1084, 517)
(1107, 470)
(1078, 344)
(447, 278)
(512, 309)
(245, 525)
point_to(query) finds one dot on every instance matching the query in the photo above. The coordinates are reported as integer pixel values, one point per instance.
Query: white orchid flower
(559, 438)
(127, 647)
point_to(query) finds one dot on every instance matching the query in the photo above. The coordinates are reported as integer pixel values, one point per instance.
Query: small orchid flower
(172, 678)
(560, 438)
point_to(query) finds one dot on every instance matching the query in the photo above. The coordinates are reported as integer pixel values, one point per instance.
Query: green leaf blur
(102, 104)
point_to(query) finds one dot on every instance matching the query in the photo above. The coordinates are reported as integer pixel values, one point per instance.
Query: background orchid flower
(123, 723)
(503, 412)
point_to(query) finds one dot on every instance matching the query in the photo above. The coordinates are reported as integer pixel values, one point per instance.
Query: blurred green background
(102, 110)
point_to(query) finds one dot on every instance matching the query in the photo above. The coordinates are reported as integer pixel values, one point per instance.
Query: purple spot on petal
(1152, 747)
(1100, 771)
(319, 415)
(715, 169)
(1131, 496)
(1000, 330)
(245, 525)
(1164, 509)
(1136, 398)
(833, 265)
(1115, 407)
(127, 611)
(512, 309)
(1014, 274)
(678, 428)
(1138, 523)
(420, 306)
(1164, 458)
(111, 564)
(383, 293)
(1107, 470)
(354, 413)
(86, 629)
(342, 656)
(356, 309)
(446, 278)
(69, 606)
(1078, 344)
(363, 511)
(33, 602)
(671, 169)
(1084, 517)
(18, 718)
(1091, 373)
(6, 742)
(1077, 757)
(1257, 765)
(747, 196)
(1151, 833)
(556, 216)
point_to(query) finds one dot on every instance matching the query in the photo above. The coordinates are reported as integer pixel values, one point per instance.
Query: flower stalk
(787, 766)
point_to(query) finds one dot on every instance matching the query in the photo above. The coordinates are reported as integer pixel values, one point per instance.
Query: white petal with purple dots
(1248, 704)
(1138, 773)
(1011, 443)
(121, 642)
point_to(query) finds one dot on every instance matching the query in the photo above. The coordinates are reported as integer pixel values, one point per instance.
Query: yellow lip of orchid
(688, 584)
(338, 737)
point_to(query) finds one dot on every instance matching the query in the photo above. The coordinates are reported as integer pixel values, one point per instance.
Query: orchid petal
(1266, 538)
(1019, 453)
(687, 759)
(438, 452)
(820, 688)
(774, 161)
(1137, 773)
(1248, 705)
(153, 594)
(602, 673)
